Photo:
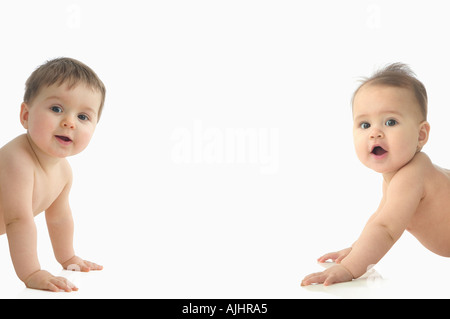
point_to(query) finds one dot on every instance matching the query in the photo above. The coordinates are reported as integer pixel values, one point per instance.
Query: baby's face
(61, 121)
(388, 127)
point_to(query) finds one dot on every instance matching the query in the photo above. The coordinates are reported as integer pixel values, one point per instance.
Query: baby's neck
(388, 176)
(45, 161)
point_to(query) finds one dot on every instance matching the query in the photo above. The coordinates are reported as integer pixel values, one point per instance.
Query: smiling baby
(390, 128)
(62, 105)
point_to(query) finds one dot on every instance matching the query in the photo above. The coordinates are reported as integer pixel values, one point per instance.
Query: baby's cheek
(407, 146)
(40, 131)
(360, 149)
(84, 138)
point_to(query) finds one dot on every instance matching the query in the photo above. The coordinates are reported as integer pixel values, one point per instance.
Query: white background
(209, 228)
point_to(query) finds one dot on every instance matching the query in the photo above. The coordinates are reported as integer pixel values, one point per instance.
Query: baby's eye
(391, 122)
(83, 117)
(364, 125)
(56, 109)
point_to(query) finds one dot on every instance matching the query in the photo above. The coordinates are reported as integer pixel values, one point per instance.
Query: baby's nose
(376, 133)
(67, 123)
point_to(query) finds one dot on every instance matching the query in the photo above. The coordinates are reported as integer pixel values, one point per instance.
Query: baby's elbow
(12, 222)
(392, 233)
(17, 222)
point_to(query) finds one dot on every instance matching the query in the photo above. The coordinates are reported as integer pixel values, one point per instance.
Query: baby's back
(9, 152)
(431, 222)
(2, 160)
(2, 222)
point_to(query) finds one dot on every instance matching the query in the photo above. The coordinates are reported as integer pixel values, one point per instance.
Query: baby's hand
(45, 281)
(77, 264)
(332, 275)
(335, 256)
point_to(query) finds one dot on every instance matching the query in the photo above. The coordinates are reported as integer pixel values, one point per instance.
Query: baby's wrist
(66, 260)
(26, 279)
(348, 270)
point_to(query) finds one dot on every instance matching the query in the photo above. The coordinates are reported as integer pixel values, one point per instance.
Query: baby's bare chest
(47, 189)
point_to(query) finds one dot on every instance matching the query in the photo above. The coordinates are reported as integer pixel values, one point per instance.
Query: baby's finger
(93, 266)
(334, 279)
(71, 285)
(62, 284)
(325, 257)
(51, 287)
(311, 279)
(316, 279)
(68, 283)
(311, 275)
(84, 267)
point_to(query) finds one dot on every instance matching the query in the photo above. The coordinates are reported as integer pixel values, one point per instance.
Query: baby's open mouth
(63, 138)
(378, 151)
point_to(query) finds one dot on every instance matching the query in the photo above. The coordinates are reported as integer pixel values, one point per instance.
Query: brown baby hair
(399, 75)
(63, 70)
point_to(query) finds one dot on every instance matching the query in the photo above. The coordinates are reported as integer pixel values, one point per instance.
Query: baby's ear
(24, 112)
(424, 133)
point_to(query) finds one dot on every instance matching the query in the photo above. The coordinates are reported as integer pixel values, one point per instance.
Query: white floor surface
(426, 277)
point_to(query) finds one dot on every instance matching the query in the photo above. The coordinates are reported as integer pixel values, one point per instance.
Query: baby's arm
(338, 256)
(401, 200)
(60, 227)
(16, 198)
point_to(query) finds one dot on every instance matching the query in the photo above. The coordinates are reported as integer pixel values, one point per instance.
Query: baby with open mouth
(390, 129)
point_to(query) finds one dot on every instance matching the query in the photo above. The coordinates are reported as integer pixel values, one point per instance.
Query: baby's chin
(386, 169)
(61, 153)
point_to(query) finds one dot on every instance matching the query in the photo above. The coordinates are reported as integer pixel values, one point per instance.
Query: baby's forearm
(22, 238)
(374, 242)
(61, 235)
